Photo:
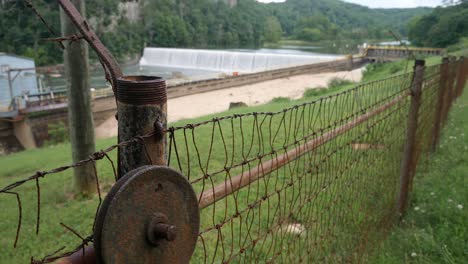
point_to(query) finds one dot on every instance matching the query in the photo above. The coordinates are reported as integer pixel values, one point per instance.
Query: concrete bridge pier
(24, 134)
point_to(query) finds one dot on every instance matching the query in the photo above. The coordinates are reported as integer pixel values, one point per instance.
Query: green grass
(435, 229)
(382, 70)
(59, 204)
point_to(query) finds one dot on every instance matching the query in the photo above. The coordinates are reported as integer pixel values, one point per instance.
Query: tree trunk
(79, 103)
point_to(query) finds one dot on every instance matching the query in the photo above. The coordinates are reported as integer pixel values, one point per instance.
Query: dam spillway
(226, 61)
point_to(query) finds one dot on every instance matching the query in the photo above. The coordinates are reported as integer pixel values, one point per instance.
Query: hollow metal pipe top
(141, 90)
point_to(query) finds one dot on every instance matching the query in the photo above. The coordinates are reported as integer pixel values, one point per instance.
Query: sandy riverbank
(197, 105)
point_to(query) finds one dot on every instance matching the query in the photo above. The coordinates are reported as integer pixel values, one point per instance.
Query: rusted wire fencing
(317, 182)
(320, 181)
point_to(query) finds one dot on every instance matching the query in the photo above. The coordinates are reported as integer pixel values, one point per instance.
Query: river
(176, 74)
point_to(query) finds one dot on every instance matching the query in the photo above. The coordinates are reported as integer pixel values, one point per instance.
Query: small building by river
(17, 77)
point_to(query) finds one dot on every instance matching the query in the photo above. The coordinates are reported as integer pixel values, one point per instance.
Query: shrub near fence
(322, 181)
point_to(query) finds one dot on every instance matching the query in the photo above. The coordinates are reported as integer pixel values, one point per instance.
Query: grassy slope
(59, 203)
(435, 229)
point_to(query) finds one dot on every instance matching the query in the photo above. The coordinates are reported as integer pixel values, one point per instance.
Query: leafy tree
(443, 27)
(273, 30)
(315, 28)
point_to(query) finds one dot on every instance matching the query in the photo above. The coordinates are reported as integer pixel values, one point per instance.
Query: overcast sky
(385, 3)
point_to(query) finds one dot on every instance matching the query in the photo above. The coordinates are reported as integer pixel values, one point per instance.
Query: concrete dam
(227, 61)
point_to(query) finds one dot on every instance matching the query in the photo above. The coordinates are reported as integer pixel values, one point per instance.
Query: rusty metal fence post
(452, 77)
(142, 109)
(440, 104)
(408, 163)
(461, 79)
(447, 93)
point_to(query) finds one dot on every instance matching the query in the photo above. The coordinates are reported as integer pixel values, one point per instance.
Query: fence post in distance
(450, 88)
(461, 80)
(408, 163)
(440, 104)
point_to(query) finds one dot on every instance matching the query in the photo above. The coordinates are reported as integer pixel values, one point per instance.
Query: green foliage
(443, 27)
(273, 30)
(280, 100)
(394, 68)
(337, 82)
(332, 19)
(314, 92)
(21, 32)
(314, 28)
(376, 71)
(334, 85)
(460, 46)
(58, 133)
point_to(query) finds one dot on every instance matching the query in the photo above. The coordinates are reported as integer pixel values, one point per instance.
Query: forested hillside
(198, 24)
(441, 28)
(322, 19)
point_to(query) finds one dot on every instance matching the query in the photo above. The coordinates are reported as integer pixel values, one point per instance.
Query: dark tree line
(443, 27)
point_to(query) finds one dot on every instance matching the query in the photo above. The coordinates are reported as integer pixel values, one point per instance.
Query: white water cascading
(226, 61)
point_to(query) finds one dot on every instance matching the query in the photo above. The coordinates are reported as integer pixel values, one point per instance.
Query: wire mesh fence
(273, 180)
(320, 181)
(315, 182)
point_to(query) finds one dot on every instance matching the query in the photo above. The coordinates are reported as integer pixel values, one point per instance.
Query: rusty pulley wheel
(150, 215)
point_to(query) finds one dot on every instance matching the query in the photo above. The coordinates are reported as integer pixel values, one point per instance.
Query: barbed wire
(49, 28)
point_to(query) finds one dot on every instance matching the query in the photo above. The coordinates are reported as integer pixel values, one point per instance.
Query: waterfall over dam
(226, 61)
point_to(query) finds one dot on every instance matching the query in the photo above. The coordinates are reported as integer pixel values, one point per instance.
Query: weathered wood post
(142, 114)
(440, 105)
(408, 164)
(81, 123)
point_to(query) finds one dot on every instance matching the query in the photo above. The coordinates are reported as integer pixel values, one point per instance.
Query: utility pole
(79, 102)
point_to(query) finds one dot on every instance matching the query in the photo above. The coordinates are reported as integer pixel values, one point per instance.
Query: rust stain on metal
(141, 90)
(159, 229)
(408, 164)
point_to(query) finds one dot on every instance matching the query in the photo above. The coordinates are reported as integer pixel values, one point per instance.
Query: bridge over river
(392, 53)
